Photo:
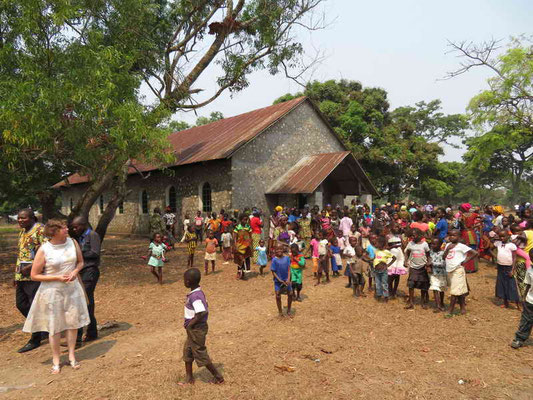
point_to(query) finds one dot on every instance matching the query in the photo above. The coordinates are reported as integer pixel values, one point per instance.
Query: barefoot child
(280, 267)
(324, 254)
(191, 239)
(355, 264)
(227, 238)
(336, 261)
(506, 259)
(382, 261)
(196, 313)
(398, 268)
(297, 263)
(456, 255)
(526, 320)
(262, 259)
(210, 251)
(438, 279)
(314, 244)
(157, 254)
(416, 254)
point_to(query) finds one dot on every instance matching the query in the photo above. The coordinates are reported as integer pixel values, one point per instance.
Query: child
(456, 255)
(196, 313)
(227, 238)
(355, 264)
(382, 261)
(355, 233)
(438, 278)
(526, 320)
(297, 263)
(416, 254)
(505, 260)
(191, 239)
(336, 261)
(314, 253)
(262, 259)
(280, 267)
(186, 223)
(210, 251)
(157, 254)
(397, 269)
(371, 254)
(324, 254)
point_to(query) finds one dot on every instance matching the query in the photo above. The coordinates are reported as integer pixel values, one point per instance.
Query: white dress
(58, 306)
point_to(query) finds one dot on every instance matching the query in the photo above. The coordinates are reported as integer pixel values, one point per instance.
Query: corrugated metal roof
(308, 173)
(219, 139)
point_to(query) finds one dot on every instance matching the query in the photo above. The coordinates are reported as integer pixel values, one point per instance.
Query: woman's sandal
(75, 365)
(56, 369)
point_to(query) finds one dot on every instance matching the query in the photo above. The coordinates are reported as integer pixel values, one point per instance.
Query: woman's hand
(73, 275)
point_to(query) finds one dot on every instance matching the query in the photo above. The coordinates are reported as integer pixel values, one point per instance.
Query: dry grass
(337, 347)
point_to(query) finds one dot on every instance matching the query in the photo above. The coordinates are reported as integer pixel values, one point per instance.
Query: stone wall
(258, 164)
(188, 181)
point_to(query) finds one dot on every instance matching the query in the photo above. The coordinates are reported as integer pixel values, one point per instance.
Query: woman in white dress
(60, 304)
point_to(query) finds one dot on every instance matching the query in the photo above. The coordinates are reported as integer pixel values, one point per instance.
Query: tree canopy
(399, 148)
(71, 74)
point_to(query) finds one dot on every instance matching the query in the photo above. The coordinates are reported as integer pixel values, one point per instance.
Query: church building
(285, 154)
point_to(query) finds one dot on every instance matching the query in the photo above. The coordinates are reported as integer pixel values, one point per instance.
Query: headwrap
(498, 209)
(403, 208)
(466, 207)
(279, 208)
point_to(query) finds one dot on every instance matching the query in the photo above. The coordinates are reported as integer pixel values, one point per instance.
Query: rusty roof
(219, 139)
(309, 173)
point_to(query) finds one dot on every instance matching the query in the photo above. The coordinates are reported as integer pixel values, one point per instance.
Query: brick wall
(187, 180)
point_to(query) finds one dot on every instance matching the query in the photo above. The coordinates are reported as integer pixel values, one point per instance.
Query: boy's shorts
(323, 265)
(210, 256)
(315, 264)
(194, 348)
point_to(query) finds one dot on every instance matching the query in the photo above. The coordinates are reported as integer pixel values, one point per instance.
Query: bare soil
(335, 347)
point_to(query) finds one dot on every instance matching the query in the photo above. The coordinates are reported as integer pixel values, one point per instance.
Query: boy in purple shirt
(196, 313)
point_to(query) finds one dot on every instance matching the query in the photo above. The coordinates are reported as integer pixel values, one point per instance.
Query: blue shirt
(281, 267)
(371, 250)
(442, 226)
(293, 218)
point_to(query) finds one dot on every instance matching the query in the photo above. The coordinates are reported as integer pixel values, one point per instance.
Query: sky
(400, 46)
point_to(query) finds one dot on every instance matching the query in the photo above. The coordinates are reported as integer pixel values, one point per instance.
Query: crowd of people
(435, 248)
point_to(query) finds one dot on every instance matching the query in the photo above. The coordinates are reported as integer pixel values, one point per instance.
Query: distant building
(283, 154)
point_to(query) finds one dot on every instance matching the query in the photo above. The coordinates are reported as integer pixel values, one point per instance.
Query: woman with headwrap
(469, 233)
(242, 239)
(274, 224)
(256, 223)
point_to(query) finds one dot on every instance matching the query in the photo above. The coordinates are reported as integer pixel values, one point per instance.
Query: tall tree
(399, 148)
(71, 73)
(503, 113)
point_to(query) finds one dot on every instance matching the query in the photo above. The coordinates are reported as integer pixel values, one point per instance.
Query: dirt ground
(335, 347)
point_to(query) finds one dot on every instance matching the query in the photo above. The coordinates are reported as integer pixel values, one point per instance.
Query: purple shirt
(195, 303)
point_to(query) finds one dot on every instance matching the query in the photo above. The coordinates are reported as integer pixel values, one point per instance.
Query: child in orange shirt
(210, 251)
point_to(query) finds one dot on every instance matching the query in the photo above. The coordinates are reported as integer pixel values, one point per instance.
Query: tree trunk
(48, 199)
(111, 208)
(95, 189)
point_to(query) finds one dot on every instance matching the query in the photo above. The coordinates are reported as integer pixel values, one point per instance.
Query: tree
(71, 73)
(400, 148)
(214, 116)
(502, 114)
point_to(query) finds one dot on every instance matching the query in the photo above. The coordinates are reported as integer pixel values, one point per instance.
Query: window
(144, 202)
(206, 198)
(101, 204)
(121, 207)
(172, 198)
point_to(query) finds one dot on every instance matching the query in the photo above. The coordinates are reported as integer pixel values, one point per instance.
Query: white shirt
(505, 252)
(456, 256)
(323, 247)
(400, 258)
(528, 280)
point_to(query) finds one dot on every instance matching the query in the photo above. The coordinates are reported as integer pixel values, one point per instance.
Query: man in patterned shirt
(31, 237)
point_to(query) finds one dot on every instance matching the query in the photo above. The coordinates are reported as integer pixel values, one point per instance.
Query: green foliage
(214, 116)
(400, 148)
(503, 115)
